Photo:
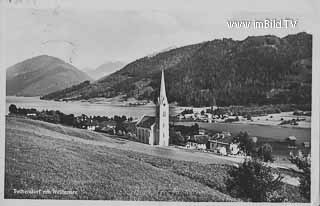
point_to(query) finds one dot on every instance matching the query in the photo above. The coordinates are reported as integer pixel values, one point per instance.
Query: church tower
(163, 115)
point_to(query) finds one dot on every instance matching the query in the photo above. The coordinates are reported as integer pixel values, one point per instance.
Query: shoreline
(273, 125)
(246, 123)
(136, 104)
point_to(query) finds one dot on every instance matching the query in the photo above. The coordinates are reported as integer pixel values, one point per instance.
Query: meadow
(45, 157)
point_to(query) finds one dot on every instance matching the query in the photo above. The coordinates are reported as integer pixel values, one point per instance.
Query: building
(219, 146)
(202, 131)
(292, 142)
(224, 146)
(147, 130)
(197, 142)
(155, 130)
(91, 127)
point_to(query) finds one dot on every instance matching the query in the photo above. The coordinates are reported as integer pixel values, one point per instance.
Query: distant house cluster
(205, 115)
(221, 143)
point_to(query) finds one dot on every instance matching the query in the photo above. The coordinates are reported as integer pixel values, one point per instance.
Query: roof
(200, 139)
(146, 122)
(219, 142)
(226, 140)
(292, 138)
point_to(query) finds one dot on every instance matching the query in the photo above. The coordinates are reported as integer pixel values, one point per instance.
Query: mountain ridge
(256, 70)
(41, 75)
(104, 69)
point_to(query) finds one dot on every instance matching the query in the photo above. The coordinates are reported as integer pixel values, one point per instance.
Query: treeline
(258, 70)
(57, 117)
(60, 94)
(254, 110)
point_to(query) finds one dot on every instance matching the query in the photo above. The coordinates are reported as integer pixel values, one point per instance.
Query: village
(191, 138)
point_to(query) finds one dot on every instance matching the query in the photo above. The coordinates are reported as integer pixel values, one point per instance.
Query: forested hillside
(256, 70)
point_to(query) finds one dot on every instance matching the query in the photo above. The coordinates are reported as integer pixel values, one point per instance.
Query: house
(222, 135)
(292, 142)
(209, 117)
(180, 116)
(197, 142)
(219, 146)
(224, 146)
(202, 131)
(189, 116)
(306, 144)
(234, 148)
(91, 127)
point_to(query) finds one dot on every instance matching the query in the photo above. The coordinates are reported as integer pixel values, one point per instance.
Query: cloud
(102, 32)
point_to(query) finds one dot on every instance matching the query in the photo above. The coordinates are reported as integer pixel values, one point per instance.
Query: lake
(78, 107)
(266, 131)
(109, 109)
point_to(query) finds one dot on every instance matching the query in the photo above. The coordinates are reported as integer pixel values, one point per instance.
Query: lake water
(78, 107)
(266, 131)
(109, 109)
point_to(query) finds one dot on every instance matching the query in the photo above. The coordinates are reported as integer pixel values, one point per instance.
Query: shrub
(305, 180)
(253, 181)
(13, 109)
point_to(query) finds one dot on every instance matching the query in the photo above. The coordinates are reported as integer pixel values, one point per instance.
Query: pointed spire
(162, 86)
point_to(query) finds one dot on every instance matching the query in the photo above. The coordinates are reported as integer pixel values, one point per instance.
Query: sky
(89, 33)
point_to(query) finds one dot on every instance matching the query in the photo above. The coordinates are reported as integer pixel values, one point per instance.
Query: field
(49, 158)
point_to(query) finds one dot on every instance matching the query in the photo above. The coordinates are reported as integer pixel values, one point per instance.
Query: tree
(13, 109)
(246, 144)
(265, 153)
(304, 164)
(195, 129)
(253, 181)
(176, 138)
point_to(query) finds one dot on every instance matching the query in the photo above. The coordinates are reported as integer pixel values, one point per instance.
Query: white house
(91, 128)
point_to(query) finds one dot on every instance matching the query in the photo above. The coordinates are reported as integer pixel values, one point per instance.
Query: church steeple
(162, 88)
(163, 114)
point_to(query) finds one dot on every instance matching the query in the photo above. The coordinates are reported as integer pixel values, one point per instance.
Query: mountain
(104, 69)
(42, 75)
(257, 70)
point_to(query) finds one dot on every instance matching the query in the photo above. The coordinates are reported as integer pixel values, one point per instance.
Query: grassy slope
(44, 162)
(37, 159)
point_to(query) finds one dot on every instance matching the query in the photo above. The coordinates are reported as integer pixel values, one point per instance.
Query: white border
(315, 134)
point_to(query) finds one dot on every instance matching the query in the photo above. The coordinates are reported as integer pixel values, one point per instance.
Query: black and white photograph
(160, 102)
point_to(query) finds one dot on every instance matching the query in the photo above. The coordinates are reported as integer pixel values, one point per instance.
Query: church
(155, 130)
